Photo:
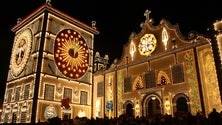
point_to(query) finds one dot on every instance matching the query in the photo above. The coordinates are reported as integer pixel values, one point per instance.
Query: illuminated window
(67, 93)
(9, 95)
(177, 73)
(23, 117)
(6, 118)
(50, 66)
(14, 117)
(128, 84)
(100, 89)
(26, 92)
(49, 92)
(163, 78)
(150, 79)
(83, 98)
(138, 83)
(17, 94)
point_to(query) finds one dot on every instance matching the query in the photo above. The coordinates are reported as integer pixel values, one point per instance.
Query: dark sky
(116, 19)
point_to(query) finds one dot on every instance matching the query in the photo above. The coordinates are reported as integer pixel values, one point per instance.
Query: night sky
(115, 20)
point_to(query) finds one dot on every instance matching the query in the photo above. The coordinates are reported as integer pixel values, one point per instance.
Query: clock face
(71, 53)
(21, 51)
(147, 44)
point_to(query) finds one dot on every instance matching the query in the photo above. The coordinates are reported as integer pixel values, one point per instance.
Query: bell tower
(51, 68)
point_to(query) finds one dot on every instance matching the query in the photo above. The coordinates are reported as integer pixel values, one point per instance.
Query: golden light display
(21, 51)
(147, 44)
(71, 53)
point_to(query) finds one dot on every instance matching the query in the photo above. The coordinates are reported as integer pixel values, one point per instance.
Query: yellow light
(153, 98)
(167, 104)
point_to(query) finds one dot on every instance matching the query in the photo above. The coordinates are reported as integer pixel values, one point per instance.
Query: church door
(181, 104)
(129, 109)
(154, 107)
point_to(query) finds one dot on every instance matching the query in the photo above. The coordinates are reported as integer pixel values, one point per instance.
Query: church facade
(53, 71)
(160, 72)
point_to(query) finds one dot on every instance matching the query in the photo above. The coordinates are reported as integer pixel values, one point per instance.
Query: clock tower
(51, 68)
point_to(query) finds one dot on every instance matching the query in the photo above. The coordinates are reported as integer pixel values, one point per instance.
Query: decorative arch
(183, 100)
(162, 78)
(151, 97)
(128, 107)
(138, 82)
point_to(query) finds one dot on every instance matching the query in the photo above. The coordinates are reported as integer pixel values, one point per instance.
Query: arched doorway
(129, 108)
(181, 103)
(153, 107)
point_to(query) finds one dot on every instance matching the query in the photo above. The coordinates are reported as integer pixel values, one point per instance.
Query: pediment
(155, 40)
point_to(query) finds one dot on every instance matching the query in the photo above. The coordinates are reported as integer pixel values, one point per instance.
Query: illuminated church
(55, 72)
(161, 72)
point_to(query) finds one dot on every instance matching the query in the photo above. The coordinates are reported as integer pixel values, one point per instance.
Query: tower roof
(46, 7)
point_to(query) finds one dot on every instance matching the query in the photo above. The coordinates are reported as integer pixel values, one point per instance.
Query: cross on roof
(147, 14)
(48, 2)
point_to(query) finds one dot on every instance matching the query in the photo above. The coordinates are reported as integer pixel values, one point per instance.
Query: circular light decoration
(71, 53)
(21, 51)
(147, 44)
(50, 112)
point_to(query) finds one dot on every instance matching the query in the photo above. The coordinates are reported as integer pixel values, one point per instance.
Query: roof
(49, 8)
